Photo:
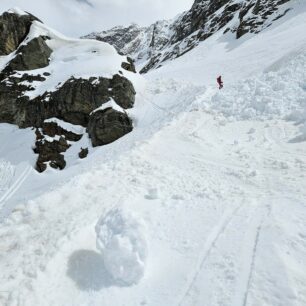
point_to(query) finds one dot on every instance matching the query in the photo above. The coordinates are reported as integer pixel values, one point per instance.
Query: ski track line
(255, 247)
(267, 211)
(249, 253)
(210, 244)
(13, 189)
(245, 299)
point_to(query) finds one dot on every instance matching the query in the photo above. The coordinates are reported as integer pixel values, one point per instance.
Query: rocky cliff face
(44, 76)
(167, 40)
(13, 28)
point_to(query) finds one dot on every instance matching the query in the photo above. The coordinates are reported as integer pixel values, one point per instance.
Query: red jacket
(220, 82)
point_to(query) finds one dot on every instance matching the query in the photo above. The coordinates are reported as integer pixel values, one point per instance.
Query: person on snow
(220, 82)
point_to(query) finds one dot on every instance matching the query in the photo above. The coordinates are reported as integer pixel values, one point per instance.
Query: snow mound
(120, 238)
(274, 93)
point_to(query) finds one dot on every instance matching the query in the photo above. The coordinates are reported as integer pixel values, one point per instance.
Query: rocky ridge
(166, 40)
(30, 65)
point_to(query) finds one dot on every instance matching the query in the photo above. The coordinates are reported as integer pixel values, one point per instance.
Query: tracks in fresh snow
(251, 254)
(245, 299)
(210, 244)
(12, 190)
(242, 246)
(230, 252)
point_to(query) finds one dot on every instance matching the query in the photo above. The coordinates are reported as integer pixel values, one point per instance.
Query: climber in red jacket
(220, 82)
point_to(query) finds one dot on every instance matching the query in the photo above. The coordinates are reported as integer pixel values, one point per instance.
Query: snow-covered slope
(140, 43)
(151, 47)
(214, 179)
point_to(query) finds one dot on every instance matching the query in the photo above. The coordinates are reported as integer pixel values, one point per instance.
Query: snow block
(121, 239)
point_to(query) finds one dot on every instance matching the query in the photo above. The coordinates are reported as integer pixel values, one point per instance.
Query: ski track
(245, 300)
(254, 252)
(12, 190)
(211, 243)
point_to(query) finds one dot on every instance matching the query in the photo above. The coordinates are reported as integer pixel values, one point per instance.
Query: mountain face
(166, 40)
(61, 87)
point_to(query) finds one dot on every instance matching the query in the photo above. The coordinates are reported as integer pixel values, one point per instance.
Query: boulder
(72, 102)
(13, 30)
(129, 65)
(108, 125)
(77, 98)
(83, 153)
(123, 91)
(34, 55)
(50, 152)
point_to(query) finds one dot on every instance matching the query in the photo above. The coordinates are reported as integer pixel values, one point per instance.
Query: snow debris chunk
(121, 239)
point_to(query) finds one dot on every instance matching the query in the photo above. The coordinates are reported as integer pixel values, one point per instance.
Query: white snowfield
(217, 177)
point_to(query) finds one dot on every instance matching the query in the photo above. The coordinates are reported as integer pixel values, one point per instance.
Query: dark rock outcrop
(34, 55)
(108, 125)
(260, 12)
(72, 102)
(129, 65)
(50, 152)
(122, 91)
(83, 153)
(13, 30)
(52, 129)
(51, 141)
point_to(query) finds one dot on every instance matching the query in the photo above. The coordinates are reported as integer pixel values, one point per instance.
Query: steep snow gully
(214, 179)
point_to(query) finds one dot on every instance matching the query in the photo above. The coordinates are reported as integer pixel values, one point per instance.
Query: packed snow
(202, 204)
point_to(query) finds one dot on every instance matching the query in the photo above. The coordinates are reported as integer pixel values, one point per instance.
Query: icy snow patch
(120, 238)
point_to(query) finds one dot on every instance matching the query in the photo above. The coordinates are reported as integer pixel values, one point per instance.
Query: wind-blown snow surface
(217, 176)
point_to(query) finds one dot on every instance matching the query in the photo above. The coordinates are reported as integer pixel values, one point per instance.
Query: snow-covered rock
(15, 25)
(45, 74)
(121, 239)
